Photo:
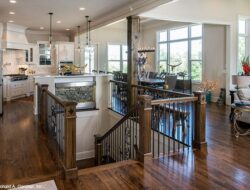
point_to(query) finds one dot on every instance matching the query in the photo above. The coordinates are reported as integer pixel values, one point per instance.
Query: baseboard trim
(85, 155)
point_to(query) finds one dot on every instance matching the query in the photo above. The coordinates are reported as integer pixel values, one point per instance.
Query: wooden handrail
(100, 138)
(68, 160)
(118, 82)
(173, 100)
(161, 90)
(152, 89)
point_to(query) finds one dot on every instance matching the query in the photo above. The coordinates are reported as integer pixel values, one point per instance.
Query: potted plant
(208, 87)
(245, 66)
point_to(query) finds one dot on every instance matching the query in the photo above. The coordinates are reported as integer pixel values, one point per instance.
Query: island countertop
(72, 76)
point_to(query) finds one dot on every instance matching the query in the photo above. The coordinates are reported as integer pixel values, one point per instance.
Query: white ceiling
(34, 13)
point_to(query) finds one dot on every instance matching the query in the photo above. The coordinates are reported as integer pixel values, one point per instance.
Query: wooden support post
(200, 122)
(70, 168)
(98, 151)
(133, 39)
(145, 109)
(44, 106)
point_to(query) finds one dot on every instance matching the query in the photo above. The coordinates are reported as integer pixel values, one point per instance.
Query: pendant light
(89, 47)
(87, 33)
(78, 35)
(50, 30)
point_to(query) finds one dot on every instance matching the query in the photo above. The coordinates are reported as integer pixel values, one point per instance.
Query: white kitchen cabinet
(32, 54)
(17, 89)
(65, 51)
(31, 85)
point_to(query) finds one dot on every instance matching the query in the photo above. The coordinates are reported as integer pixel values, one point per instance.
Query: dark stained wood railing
(169, 122)
(119, 95)
(120, 142)
(58, 119)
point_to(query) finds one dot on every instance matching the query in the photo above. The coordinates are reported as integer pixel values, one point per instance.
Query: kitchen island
(89, 121)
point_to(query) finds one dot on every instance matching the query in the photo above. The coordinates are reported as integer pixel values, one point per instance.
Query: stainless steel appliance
(1, 82)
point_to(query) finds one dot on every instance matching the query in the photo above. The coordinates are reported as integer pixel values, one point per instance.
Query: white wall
(209, 11)
(214, 48)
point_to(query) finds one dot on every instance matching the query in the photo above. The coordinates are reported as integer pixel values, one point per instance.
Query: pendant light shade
(78, 36)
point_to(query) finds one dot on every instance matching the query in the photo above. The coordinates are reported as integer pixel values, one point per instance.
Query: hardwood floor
(24, 154)
(25, 158)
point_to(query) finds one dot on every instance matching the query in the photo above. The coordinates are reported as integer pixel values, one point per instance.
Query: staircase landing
(122, 175)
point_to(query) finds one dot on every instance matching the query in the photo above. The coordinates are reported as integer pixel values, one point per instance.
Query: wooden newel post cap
(201, 95)
(45, 86)
(145, 101)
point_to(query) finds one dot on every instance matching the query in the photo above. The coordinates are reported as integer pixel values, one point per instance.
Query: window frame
(120, 60)
(189, 40)
(247, 41)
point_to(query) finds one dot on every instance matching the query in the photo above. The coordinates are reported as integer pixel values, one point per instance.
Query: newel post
(98, 151)
(145, 109)
(44, 106)
(199, 141)
(70, 168)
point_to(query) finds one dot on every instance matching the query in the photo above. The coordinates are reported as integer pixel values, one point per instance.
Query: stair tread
(106, 167)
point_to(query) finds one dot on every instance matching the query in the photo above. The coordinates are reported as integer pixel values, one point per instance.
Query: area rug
(46, 185)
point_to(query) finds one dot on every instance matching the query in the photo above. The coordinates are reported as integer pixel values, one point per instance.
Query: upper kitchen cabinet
(32, 54)
(65, 52)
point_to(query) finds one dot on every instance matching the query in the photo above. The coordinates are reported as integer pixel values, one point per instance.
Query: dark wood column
(132, 40)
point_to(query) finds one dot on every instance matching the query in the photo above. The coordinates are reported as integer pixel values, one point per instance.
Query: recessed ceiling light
(11, 21)
(12, 1)
(41, 28)
(12, 13)
(67, 29)
(58, 22)
(81, 8)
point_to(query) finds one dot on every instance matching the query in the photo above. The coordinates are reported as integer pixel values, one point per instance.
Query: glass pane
(242, 26)
(163, 36)
(42, 48)
(125, 67)
(179, 57)
(163, 66)
(113, 66)
(89, 59)
(163, 51)
(196, 67)
(114, 52)
(196, 31)
(242, 48)
(179, 33)
(196, 49)
(124, 52)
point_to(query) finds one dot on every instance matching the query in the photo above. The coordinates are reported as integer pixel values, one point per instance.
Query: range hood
(13, 36)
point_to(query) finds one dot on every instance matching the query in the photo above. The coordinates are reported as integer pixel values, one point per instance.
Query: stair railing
(58, 119)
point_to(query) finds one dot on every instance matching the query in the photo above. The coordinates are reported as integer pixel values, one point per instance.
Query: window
(44, 54)
(242, 41)
(117, 58)
(180, 50)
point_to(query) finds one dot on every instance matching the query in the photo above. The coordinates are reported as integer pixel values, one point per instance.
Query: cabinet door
(31, 85)
(65, 52)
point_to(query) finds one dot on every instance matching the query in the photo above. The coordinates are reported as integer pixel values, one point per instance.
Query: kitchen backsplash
(14, 59)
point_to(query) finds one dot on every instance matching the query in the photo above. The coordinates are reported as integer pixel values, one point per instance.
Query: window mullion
(168, 51)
